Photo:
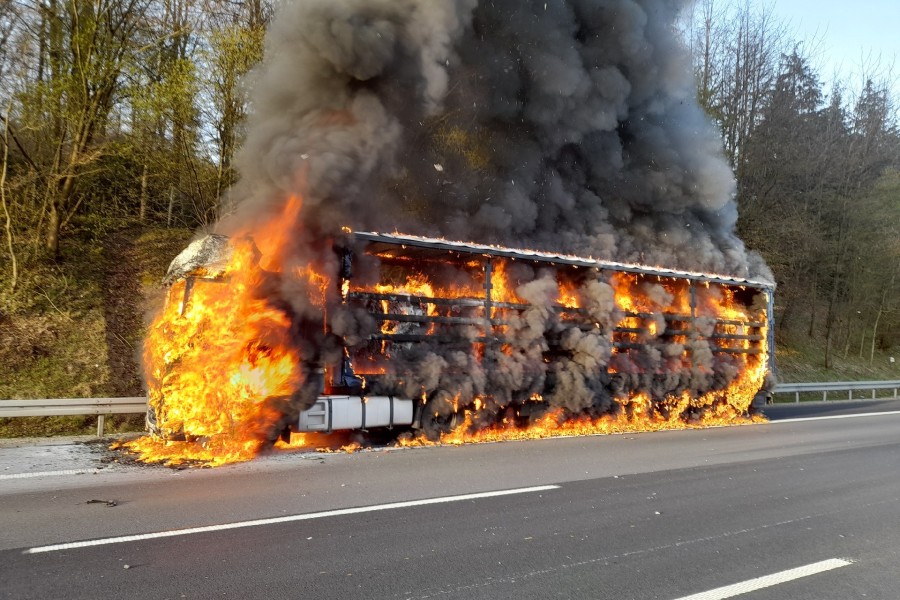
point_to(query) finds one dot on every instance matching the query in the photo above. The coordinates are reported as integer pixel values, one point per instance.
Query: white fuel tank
(333, 413)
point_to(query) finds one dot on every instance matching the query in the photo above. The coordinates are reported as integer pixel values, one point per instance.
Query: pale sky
(850, 35)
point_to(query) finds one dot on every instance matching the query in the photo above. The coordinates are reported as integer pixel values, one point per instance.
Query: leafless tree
(4, 162)
(737, 47)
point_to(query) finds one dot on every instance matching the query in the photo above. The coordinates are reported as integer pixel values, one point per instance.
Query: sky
(846, 36)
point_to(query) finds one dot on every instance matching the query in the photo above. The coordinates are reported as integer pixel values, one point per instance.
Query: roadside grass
(805, 362)
(56, 332)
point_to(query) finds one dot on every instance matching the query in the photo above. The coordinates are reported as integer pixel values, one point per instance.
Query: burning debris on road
(565, 126)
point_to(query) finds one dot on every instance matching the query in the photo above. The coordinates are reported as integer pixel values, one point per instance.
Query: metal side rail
(836, 386)
(62, 407)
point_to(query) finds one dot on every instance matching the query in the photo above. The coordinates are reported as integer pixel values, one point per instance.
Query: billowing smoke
(565, 125)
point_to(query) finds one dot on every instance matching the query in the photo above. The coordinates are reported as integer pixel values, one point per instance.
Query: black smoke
(566, 125)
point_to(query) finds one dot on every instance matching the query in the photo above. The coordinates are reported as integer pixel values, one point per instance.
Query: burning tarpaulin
(566, 126)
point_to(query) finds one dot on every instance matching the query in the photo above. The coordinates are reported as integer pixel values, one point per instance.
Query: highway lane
(829, 408)
(661, 515)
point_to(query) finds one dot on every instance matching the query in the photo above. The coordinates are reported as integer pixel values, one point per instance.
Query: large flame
(219, 360)
(222, 367)
(647, 309)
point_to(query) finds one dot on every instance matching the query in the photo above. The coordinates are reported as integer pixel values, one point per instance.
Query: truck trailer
(443, 329)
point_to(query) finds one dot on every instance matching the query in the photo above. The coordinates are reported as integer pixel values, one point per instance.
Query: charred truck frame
(368, 387)
(418, 301)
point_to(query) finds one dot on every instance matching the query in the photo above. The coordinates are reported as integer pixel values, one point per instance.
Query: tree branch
(9, 237)
(9, 130)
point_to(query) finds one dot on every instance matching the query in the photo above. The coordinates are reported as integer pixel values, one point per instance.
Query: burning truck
(570, 127)
(461, 337)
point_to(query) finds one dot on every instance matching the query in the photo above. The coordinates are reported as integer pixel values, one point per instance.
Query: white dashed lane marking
(751, 585)
(288, 519)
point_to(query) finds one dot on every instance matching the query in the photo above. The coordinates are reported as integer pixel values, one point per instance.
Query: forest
(120, 119)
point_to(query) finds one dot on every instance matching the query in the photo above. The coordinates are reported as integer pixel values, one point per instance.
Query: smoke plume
(565, 125)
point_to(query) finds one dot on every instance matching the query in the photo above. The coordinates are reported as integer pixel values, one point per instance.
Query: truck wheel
(436, 420)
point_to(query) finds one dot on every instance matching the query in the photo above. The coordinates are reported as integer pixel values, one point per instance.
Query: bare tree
(66, 109)
(14, 265)
(736, 49)
(7, 17)
(67, 106)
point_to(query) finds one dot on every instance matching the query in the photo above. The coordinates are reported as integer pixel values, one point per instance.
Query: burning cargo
(447, 336)
(498, 333)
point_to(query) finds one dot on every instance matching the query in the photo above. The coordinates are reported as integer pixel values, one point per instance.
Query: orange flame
(729, 406)
(219, 364)
(636, 414)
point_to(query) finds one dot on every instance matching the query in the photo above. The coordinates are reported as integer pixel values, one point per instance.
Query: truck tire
(435, 420)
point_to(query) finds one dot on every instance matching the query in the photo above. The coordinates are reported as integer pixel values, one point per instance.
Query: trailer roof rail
(419, 247)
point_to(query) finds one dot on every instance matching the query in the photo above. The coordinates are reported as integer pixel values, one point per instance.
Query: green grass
(805, 362)
(54, 330)
(154, 250)
(68, 361)
(52, 341)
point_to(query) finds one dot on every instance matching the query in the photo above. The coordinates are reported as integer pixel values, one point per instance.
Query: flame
(219, 365)
(501, 287)
(568, 295)
(636, 414)
(649, 308)
(729, 406)
(557, 423)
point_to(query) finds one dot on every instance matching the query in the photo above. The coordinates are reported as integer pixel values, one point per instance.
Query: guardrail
(836, 386)
(62, 407)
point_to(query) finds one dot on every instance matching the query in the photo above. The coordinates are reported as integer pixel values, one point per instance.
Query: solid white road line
(50, 473)
(287, 519)
(759, 583)
(829, 417)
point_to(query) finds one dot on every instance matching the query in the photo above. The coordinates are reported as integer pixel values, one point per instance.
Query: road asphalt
(806, 506)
